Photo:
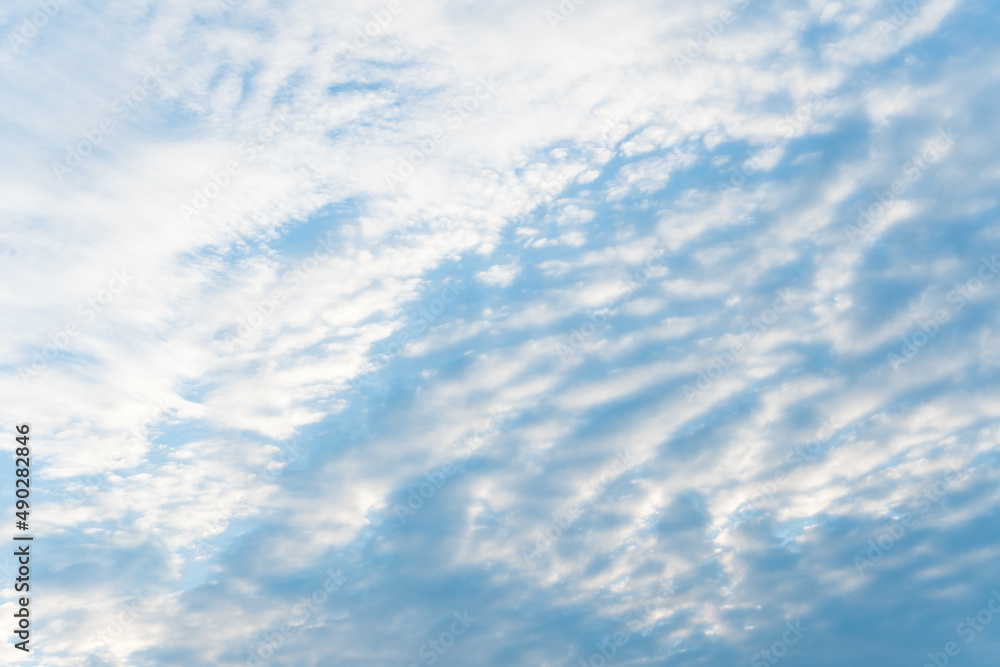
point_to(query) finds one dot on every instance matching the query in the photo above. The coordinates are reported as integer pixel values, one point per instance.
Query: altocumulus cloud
(420, 401)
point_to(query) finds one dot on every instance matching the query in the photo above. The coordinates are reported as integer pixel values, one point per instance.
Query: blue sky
(634, 333)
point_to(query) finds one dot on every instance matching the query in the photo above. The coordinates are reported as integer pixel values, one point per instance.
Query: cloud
(500, 275)
(557, 342)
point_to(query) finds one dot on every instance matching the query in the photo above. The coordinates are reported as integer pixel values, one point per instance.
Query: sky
(391, 334)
